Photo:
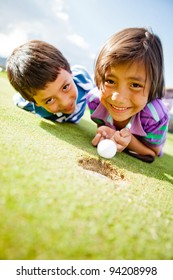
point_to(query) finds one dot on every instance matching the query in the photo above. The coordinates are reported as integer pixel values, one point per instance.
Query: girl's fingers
(125, 132)
(122, 138)
(99, 137)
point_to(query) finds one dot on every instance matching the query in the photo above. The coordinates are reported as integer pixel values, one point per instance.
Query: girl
(126, 105)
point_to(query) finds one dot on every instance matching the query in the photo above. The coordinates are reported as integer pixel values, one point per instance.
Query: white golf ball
(107, 148)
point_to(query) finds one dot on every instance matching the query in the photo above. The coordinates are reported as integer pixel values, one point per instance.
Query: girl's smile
(126, 91)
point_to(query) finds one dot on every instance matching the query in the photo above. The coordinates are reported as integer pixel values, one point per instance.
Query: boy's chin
(70, 110)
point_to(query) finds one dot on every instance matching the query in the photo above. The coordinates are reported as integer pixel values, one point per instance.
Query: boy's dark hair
(33, 65)
(130, 45)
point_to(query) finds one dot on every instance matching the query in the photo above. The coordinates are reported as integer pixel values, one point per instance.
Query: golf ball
(107, 148)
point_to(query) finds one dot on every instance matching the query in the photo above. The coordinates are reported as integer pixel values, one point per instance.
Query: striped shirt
(84, 84)
(150, 125)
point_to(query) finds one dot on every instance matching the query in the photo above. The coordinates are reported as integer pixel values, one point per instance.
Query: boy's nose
(63, 101)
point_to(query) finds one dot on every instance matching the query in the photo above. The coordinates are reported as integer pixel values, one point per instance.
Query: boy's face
(125, 92)
(58, 96)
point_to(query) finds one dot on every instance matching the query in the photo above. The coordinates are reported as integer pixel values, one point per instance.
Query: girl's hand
(122, 138)
(103, 132)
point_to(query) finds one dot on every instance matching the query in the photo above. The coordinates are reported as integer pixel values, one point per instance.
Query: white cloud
(59, 10)
(60, 21)
(58, 5)
(78, 41)
(63, 16)
(47, 20)
(11, 40)
(92, 56)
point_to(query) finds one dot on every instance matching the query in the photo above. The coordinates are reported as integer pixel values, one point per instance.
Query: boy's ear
(36, 104)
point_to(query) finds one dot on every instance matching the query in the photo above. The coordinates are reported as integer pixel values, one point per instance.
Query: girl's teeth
(118, 108)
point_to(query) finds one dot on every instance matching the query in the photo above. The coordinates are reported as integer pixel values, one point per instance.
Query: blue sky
(80, 27)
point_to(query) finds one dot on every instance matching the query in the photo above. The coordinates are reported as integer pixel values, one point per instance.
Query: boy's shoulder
(78, 69)
(82, 77)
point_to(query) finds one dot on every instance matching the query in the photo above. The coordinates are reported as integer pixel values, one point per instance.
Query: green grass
(51, 208)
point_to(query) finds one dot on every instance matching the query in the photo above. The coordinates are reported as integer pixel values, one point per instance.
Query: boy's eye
(66, 87)
(49, 101)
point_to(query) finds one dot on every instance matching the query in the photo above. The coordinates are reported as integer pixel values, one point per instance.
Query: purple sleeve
(93, 99)
(154, 120)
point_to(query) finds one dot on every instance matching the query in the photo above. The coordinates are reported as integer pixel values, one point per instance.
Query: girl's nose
(114, 95)
(120, 95)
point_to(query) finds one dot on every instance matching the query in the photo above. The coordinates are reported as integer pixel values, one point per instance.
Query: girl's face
(125, 91)
(58, 96)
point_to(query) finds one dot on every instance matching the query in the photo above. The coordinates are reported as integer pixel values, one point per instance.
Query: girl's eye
(110, 82)
(136, 85)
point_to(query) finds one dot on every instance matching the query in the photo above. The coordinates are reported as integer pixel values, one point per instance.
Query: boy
(45, 83)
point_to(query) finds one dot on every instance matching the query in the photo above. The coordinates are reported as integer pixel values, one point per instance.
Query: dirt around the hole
(101, 167)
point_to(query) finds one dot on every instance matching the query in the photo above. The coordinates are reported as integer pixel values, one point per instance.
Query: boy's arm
(82, 78)
(23, 103)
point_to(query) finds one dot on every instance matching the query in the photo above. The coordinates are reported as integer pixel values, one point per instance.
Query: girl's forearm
(140, 148)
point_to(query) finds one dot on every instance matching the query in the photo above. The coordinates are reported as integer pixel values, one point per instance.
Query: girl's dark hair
(33, 65)
(130, 45)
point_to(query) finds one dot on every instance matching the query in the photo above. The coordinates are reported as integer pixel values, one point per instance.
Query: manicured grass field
(52, 208)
